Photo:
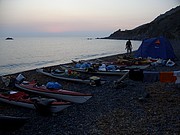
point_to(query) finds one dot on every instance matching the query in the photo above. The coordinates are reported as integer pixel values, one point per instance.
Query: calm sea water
(23, 54)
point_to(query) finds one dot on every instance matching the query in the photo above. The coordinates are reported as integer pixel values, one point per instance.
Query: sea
(26, 53)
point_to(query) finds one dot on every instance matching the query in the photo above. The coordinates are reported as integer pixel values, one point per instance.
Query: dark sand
(132, 108)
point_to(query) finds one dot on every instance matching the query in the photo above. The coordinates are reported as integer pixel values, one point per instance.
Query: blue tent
(158, 47)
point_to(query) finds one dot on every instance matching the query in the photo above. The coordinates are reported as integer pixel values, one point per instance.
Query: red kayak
(24, 100)
(72, 96)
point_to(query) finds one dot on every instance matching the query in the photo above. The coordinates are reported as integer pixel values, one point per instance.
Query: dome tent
(158, 47)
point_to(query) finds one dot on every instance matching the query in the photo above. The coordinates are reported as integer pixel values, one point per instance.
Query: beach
(131, 108)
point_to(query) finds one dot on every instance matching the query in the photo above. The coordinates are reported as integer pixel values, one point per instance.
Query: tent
(158, 47)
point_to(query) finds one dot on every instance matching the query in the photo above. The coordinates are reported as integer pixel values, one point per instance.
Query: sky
(77, 17)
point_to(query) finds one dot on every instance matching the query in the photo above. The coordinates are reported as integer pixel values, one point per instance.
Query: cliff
(167, 24)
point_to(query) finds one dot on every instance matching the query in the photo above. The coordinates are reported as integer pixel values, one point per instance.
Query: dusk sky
(77, 17)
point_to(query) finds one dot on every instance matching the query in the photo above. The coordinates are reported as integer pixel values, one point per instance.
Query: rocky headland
(167, 24)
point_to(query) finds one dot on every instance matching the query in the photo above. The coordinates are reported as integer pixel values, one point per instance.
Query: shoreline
(132, 108)
(30, 70)
(174, 43)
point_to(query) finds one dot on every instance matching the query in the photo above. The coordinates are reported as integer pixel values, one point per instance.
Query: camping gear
(158, 47)
(20, 78)
(177, 74)
(111, 68)
(53, 85)
(151, 76)
(102, 67)
(155, 76)
(95, 81)
(72, 96)
(167, 77)
(23, 100)
(136, 74)
(64, 76)
(6, 80)
(170, 63)
(117, 72)
(11, 123)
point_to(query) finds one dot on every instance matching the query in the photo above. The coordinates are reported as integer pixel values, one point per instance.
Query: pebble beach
(133, 107)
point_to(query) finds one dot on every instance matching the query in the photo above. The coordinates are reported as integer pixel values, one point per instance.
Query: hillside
(167, 24)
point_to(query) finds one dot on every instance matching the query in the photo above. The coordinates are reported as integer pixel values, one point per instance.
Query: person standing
(129, 46)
